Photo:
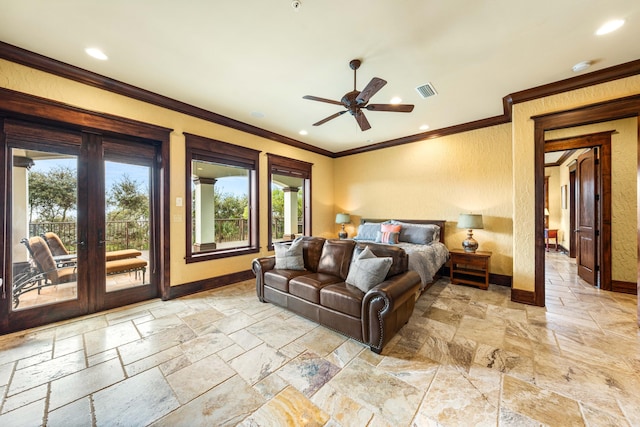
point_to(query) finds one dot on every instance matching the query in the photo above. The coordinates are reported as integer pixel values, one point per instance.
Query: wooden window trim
(207, 149)
(290, 167)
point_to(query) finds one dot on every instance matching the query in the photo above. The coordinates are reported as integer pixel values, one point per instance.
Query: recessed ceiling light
(581, 66)
(610, 26)
(303, 132)
(96, 53)
(424, 127)
(257, 114)
(395, 100)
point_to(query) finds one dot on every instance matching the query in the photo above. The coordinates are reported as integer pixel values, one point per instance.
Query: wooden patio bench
(45, 270)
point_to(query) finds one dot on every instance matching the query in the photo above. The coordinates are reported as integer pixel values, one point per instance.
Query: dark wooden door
(586, 216)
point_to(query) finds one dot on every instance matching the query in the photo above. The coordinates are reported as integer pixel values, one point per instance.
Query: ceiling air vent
(426, 90)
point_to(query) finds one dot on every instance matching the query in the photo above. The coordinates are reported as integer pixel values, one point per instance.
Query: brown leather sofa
(321, 294)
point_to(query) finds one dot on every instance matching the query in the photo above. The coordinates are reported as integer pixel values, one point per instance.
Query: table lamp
(343, 218)
(470, 222)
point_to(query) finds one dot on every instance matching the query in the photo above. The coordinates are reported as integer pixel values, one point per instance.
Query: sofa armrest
(259, 266)
(387, 307)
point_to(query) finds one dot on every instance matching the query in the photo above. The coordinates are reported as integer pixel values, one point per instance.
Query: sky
(113, 171)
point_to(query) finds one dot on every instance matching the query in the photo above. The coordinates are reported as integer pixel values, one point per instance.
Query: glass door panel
(127, 225)
(44, 232)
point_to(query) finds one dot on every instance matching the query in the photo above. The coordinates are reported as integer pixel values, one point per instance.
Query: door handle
(80, 243)
(101, 239)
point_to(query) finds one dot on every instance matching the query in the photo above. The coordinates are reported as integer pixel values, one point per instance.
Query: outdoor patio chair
(42, 272)
(61, 255)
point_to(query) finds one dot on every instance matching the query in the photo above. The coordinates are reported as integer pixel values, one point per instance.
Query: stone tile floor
(467, 357)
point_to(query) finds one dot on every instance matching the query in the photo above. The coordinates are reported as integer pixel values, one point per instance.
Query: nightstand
(551, 234)
(470, 268)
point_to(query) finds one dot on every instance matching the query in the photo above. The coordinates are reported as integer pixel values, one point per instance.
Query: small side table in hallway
(551, 234)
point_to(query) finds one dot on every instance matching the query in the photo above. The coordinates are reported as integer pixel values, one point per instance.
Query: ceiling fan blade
(400, 108)
(374, 86)
(316, 98)
(331, 117)
(362, 121)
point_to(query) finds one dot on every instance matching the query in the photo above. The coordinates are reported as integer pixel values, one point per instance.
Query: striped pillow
(390, 237)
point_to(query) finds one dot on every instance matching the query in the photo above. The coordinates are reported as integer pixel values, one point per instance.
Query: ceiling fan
(355, 101)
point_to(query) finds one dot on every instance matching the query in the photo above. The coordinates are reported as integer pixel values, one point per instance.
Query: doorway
(628, 107)
(82, 220)
(586, 204)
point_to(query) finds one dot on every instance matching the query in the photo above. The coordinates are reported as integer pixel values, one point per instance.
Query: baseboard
(500, 279)
(523, 297)
(208, 284)
(624, 287)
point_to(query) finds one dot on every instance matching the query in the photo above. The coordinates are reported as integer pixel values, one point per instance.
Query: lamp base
(469, 244)
(342, 235)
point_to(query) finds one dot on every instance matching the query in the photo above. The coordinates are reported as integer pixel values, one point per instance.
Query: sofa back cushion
(336, 257)
(311, 251)
(397, 254)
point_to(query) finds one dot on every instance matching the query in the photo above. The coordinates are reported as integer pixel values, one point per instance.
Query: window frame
(211, 150)
(286, 166)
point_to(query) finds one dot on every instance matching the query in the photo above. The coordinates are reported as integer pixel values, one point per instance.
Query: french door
(81, 223)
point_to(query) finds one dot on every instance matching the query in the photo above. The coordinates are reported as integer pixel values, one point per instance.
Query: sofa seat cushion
(279, 279)
(308, 286)
(342, 297)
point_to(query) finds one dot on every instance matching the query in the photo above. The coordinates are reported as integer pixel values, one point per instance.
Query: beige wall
(488, 171)
(555, 207)
(624, 199)
(437, 179)
(30, 81)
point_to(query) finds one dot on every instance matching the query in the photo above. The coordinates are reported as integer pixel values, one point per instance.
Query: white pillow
(289, 255)
(368, 270)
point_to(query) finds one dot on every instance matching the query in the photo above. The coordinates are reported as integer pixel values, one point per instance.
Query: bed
(425, 259)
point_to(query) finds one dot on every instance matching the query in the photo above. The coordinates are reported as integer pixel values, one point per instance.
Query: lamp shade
(343, 218)
(470, 221)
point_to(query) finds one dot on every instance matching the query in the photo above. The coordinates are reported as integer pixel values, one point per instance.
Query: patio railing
(135, 234)
(119, 234)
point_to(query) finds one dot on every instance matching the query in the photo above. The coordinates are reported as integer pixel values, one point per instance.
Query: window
(222, 199)
(289, 198)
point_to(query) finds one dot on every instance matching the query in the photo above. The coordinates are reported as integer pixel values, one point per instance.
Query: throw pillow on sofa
(289, 256)
(367, 270)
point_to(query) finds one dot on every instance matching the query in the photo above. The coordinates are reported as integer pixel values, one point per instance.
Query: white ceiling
(254, 60)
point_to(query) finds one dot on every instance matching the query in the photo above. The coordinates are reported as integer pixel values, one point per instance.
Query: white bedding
(426, 260)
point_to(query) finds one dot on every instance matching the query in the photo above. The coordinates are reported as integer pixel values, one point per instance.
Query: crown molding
(53, 66)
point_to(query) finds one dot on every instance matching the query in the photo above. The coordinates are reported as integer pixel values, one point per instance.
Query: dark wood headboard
(438, 222)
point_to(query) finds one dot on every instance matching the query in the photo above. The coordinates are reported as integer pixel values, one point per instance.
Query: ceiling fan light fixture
(395, 100)
(356, 101)
(426, 90)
